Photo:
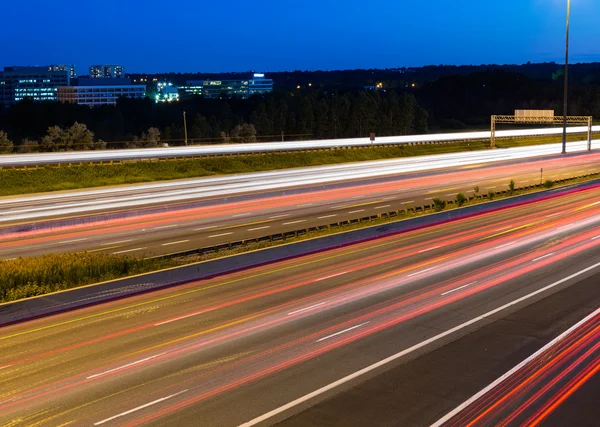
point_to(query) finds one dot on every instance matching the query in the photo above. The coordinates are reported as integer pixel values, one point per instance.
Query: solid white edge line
(485, 390)
(409, 350)
(341, 332)
(154, 402)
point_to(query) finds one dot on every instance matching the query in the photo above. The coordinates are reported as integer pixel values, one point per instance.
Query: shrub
(27, 277)
(29, 146)
(439, 204)
(461, 199)
(511, 186)
(476, 189)
(6, 145)
(549, 183)
(491, 195)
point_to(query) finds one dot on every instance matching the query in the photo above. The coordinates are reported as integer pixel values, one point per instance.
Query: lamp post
(564, 144)
(185, 128)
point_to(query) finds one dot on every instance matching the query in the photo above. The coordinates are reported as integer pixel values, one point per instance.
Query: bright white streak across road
(222, 149)
(12, 209)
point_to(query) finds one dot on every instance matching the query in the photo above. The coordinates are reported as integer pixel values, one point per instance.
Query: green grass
(53, 178)
(27, 277)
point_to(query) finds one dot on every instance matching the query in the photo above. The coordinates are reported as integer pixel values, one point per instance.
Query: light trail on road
(258, 339)
(176, 228)
(16, 160)
(528, 394)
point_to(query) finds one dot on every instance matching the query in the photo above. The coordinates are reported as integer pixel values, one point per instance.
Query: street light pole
(564, 144)
(184, 128)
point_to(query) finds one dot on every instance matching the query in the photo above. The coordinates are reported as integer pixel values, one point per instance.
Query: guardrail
(424, 208)
(107, 156)
(45, 305)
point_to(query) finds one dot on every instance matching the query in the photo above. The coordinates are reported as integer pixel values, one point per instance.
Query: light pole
(184, 128)
(564, 144)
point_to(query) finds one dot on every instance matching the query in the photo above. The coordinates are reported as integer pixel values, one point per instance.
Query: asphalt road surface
(424, 391)
(170, 227)
(261, 345)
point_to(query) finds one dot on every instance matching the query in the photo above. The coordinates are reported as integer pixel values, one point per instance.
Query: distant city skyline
(308, 35)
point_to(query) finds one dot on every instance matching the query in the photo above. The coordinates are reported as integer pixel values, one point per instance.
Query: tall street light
(564, 144)
(185, 128)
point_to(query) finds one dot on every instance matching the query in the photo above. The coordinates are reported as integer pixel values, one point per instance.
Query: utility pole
(564, 144)
(185, 129)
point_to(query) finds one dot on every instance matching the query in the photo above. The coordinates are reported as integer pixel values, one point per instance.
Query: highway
(529, 393)
(171, 217)
(259, 346)
(21, 160)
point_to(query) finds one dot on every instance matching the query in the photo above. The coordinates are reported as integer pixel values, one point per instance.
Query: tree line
(143, 123)
(443, 103)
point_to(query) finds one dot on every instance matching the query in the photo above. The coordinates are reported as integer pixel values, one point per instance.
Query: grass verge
(27, 277)
(54, 178)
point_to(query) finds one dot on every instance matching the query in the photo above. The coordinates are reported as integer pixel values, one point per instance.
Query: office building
(37, 83)
(106, 71)
(64, 67)
(167, 93)
(257, 85)
(93, 91)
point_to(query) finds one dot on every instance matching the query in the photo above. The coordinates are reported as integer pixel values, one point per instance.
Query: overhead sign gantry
(527, 117)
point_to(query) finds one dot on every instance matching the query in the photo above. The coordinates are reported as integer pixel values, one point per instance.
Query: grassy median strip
(54, 178)
(27, 277)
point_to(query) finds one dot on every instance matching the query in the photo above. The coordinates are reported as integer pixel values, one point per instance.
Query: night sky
(276, 35)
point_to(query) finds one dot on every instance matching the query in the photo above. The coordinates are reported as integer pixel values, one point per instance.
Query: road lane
(420, 391)
(530, 392)
(227, 350)
(24, 160)
(183, 228)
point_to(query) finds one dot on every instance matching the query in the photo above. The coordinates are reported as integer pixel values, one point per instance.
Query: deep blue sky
(273, 35)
